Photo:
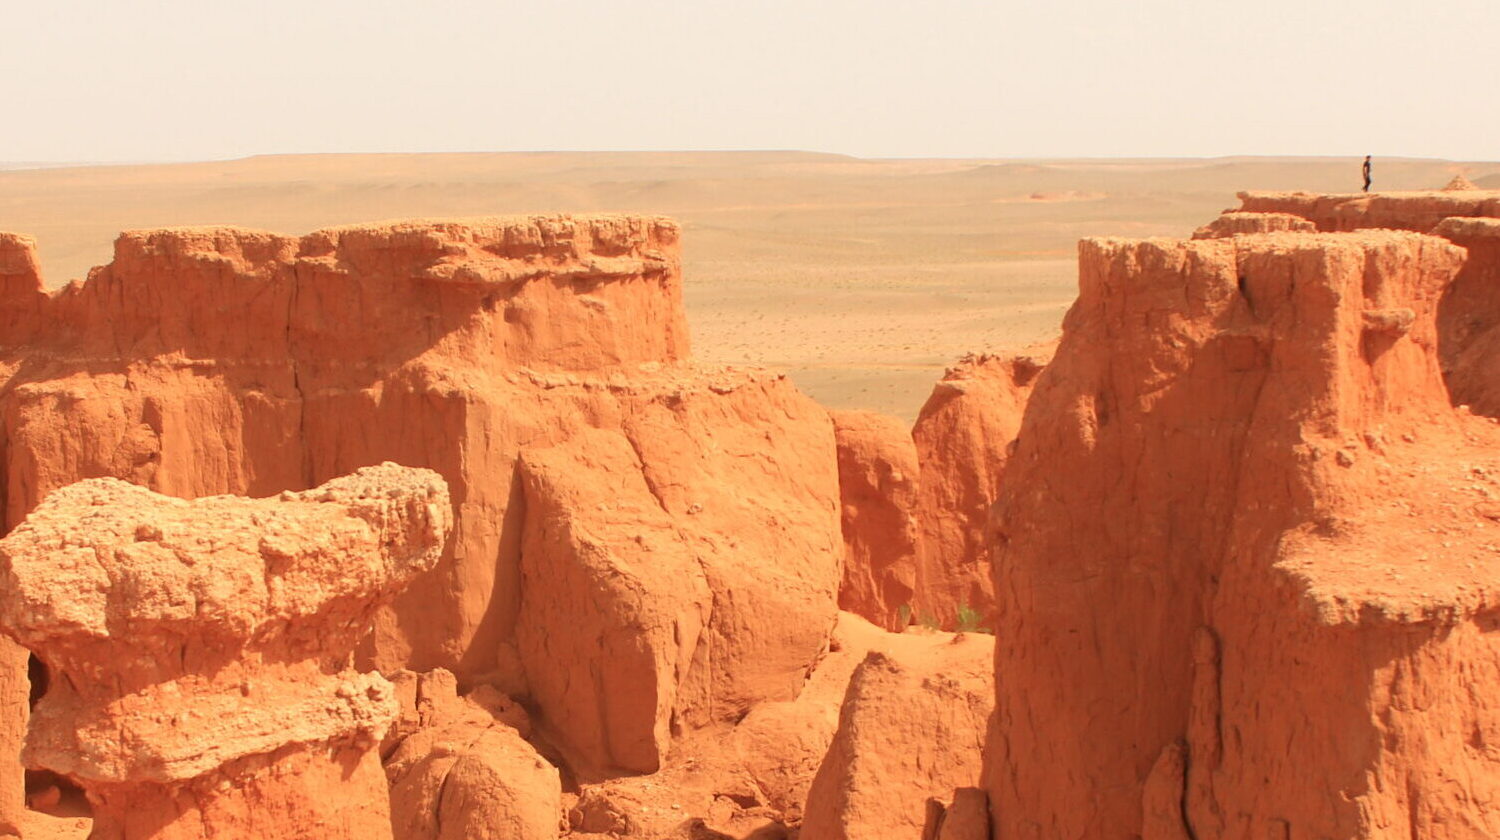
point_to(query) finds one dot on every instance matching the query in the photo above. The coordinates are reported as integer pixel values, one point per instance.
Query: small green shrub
(969, 621)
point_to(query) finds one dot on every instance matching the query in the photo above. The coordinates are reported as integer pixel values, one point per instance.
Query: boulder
(463, 770)
(199, 651)
(615, 602)
(912, 727)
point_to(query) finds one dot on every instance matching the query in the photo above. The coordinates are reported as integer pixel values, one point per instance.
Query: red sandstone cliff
(1418, 211)
(1470, 309)
(210, 361)
(1240, 549)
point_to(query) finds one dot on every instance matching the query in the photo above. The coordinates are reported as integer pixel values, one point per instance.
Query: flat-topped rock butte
(1233, 537)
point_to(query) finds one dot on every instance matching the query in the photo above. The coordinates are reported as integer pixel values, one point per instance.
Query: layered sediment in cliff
(1242, 515)
(1237, 223)
(1415, 211)
(1470, 310)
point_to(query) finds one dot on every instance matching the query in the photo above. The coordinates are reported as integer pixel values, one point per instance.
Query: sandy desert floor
(862, 278)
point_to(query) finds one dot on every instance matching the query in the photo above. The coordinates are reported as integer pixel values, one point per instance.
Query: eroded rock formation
(204, 361)
(199, 650)
(460, 768)
(878, 480)
(912, 727)
(1417, 211)
(615, 603)
(1266, 567)
(963, 438)
(207, 361)
(1236, 223)
(1234, 541)
(1469, 316)
(1470, 310)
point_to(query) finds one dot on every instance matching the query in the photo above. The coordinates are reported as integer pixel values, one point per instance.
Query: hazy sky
(173, 80)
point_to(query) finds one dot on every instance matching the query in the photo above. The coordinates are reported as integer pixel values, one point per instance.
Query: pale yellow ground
(863, 278)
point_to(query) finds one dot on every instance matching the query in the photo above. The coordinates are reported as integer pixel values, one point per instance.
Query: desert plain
(862, 278)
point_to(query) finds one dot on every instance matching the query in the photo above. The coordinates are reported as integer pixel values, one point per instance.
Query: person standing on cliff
(1366, 170)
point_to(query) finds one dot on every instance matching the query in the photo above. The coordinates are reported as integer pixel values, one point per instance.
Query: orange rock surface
(748, 779)
(615, 602)
(912, 726)
(1233, 541)
(1418, 211)
(878, 480)
(199, 650)
(1470, 309)
(209, 361)
(206, 361)
(461, 769)
(1235, 223)
(1469, 316)
(1266, 565)
(963, 438)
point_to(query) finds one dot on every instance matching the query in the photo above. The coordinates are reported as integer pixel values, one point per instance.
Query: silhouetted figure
(1366, 170)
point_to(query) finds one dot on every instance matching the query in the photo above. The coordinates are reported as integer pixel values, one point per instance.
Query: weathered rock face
(461, 769)
(649, 602)
(1470, 309)
(1469, 317)
(1234, 223)
(207, 361)
(963, 438)
(912, 727)
(878, 479)
(1418, 211)
(199, 650)
(748, 780)
(615, 604)
(210, 361)
(1218, 536)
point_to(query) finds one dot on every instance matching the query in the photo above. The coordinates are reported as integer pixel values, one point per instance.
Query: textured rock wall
(878, 481)
(963, 437)
(911, 727)
(207, 361)
(199, 650)
(1206, 545)
(1416, 211)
